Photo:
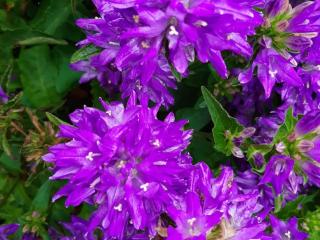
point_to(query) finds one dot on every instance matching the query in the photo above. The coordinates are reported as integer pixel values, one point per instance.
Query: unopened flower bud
(248, 132)
(237, 152)
(292, 137)
(280, 147)
(305, 146)
(258, 160)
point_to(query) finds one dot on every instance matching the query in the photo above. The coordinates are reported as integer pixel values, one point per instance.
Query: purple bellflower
(192, 221)
(132, 36)
(125, 161)
(286, 33)
(7, 230)
(286, 230)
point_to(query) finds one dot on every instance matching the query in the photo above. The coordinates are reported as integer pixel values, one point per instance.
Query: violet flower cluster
(134, 168)
(141, 41)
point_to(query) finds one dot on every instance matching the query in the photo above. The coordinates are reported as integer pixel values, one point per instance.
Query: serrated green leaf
(223, 122)
(84, 53)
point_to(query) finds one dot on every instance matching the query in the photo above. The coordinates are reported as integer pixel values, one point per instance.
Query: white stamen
(138, 85)
(144, 44)
(156, 143)
(160, 163)
(201, 23)
(121, 164)
(191, 221)
(144, 187)
(109, 112)
(288, 234)
(91, 155)
(173, 31)
(273, 73)
(114, 43)
(306, 22)
(118, 207)
(95, 182)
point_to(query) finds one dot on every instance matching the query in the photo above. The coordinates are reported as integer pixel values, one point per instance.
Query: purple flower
(271, 68)
(78, 229)
(242, 219)
(306, 136)
(3, 96)
(286, 33)
(133, 36)
(277, 172)
(125, 161)
(193, 222)
(8, 229)
(286, 230)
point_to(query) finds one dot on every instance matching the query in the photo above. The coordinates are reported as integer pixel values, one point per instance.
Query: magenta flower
(286, 230)
(133, 36)
(193, 222)
(7, 230)
(277, 172)
(125, 161)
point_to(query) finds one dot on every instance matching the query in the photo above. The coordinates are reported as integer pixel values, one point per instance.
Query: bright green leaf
(84, 53)
(223, 122)
(55, 120)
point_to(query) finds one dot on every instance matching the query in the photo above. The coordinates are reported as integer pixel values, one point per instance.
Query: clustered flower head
(134, 168)
(133, 37)
(124, 160)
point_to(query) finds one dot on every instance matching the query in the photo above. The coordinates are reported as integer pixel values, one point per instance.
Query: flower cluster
(135, 36)
(134, 167)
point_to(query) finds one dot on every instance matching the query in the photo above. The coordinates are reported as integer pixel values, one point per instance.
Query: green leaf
(41, 201)
(312, 224)
(66, 78)
(223, 122)
(38, 77)
(263, 149)
(198, 118)
(5, 145)
(287, 127)
(84, 53)
(51, 15)
(11, 22)
(42, 40)
(293, 208)
(12, 165)
(55, 120)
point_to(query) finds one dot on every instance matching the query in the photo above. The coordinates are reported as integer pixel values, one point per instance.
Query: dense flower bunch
(134, 37)
(132, 163)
